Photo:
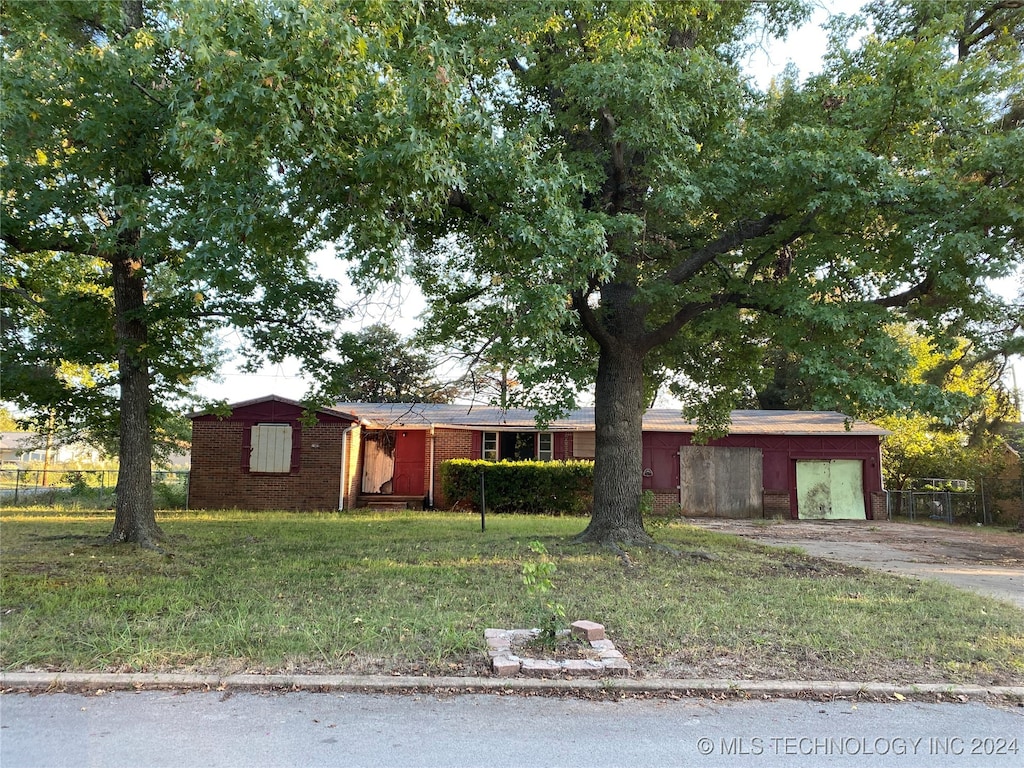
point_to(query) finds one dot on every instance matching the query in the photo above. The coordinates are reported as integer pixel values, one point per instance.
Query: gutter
(430, 486)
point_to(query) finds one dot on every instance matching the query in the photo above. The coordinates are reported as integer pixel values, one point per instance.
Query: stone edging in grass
(602, 659)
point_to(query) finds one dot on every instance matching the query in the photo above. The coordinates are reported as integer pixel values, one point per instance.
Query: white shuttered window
(271, 448)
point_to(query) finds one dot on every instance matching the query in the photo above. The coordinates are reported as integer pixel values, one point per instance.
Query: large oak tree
(149, 159)
(631, 205)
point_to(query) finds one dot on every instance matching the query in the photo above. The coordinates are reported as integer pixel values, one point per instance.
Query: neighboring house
(772, 463)
(23, 448)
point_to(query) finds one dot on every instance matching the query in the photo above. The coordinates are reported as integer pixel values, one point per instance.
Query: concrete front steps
(377, 501)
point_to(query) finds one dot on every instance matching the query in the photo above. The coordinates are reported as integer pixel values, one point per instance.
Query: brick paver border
(602, 658)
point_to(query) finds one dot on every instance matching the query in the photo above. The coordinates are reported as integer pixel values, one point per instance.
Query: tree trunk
(135, 519)
(618, 458)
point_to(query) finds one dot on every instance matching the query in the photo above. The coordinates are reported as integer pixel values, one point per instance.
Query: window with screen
(489, 451)
(545, 451)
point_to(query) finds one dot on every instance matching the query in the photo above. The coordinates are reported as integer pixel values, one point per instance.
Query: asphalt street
(214, 729)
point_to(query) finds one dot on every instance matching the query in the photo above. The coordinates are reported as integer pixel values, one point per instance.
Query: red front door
(410, 462)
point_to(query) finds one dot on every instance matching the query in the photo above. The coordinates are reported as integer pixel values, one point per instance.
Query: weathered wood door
(721, 482)
(378, 461)
(830, 490)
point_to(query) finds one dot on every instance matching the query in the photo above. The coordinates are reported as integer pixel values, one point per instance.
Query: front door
(378, 461)
(410, 463)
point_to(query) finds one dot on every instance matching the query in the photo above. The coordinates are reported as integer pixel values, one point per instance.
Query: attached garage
(793, 464)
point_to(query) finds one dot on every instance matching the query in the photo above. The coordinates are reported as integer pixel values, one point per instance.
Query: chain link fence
(85, 487)
(947, 506)
(996, 502)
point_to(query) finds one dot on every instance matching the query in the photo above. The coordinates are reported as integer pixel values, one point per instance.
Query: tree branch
(590, 321)
(62, 244)
(688, 312)
(743, 231)
(149, 95)
(919, 291)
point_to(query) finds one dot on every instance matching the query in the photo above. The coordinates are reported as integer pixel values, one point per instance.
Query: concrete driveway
(978, 559)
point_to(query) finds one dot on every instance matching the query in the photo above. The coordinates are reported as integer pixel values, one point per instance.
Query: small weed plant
(538, 582)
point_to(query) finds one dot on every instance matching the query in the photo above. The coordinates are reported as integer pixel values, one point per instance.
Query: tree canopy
(378, 366)
(633, 207)
(964, 444)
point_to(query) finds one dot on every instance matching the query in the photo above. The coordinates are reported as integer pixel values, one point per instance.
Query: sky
(400, 306)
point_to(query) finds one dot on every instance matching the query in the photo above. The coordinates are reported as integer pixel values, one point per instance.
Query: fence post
(984, 506)
(483, 504)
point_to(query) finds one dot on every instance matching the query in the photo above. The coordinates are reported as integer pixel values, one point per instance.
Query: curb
(12, 682)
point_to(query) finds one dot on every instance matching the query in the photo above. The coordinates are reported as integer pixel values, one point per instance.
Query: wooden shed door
(410, 463)
(721, 482)
(830, 490)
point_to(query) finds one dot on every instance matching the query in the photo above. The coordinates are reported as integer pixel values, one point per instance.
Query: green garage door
(830, 490)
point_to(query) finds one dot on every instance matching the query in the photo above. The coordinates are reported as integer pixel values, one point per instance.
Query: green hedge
(529, 487)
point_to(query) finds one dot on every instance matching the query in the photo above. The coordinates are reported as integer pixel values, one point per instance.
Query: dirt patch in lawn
(982, 560)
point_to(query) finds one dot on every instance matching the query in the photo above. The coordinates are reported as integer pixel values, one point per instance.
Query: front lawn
(413, 592)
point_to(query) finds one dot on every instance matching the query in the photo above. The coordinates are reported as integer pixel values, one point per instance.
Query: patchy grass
(413, 592)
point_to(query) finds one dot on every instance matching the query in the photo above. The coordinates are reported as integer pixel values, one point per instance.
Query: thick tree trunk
(618, 462)
(135, 519)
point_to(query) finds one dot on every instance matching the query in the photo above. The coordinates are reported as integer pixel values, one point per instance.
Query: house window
(490, 446)
(271, 448)
(544, 446)
(517, 446)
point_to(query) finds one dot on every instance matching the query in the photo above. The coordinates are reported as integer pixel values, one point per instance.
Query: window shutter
(583, 445)
(271, 449)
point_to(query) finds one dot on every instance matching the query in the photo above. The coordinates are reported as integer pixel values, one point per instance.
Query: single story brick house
(264, 455)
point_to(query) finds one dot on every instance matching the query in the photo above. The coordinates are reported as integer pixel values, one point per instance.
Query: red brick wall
(777, 504)
(878, 506)
(219, 479)
(665, 502)
(448, 444)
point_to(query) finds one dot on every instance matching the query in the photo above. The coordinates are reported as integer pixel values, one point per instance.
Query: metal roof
(425, 415)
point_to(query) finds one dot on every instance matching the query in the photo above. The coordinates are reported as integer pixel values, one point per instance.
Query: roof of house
(424, 415)
(20, 441)
(266, 399)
